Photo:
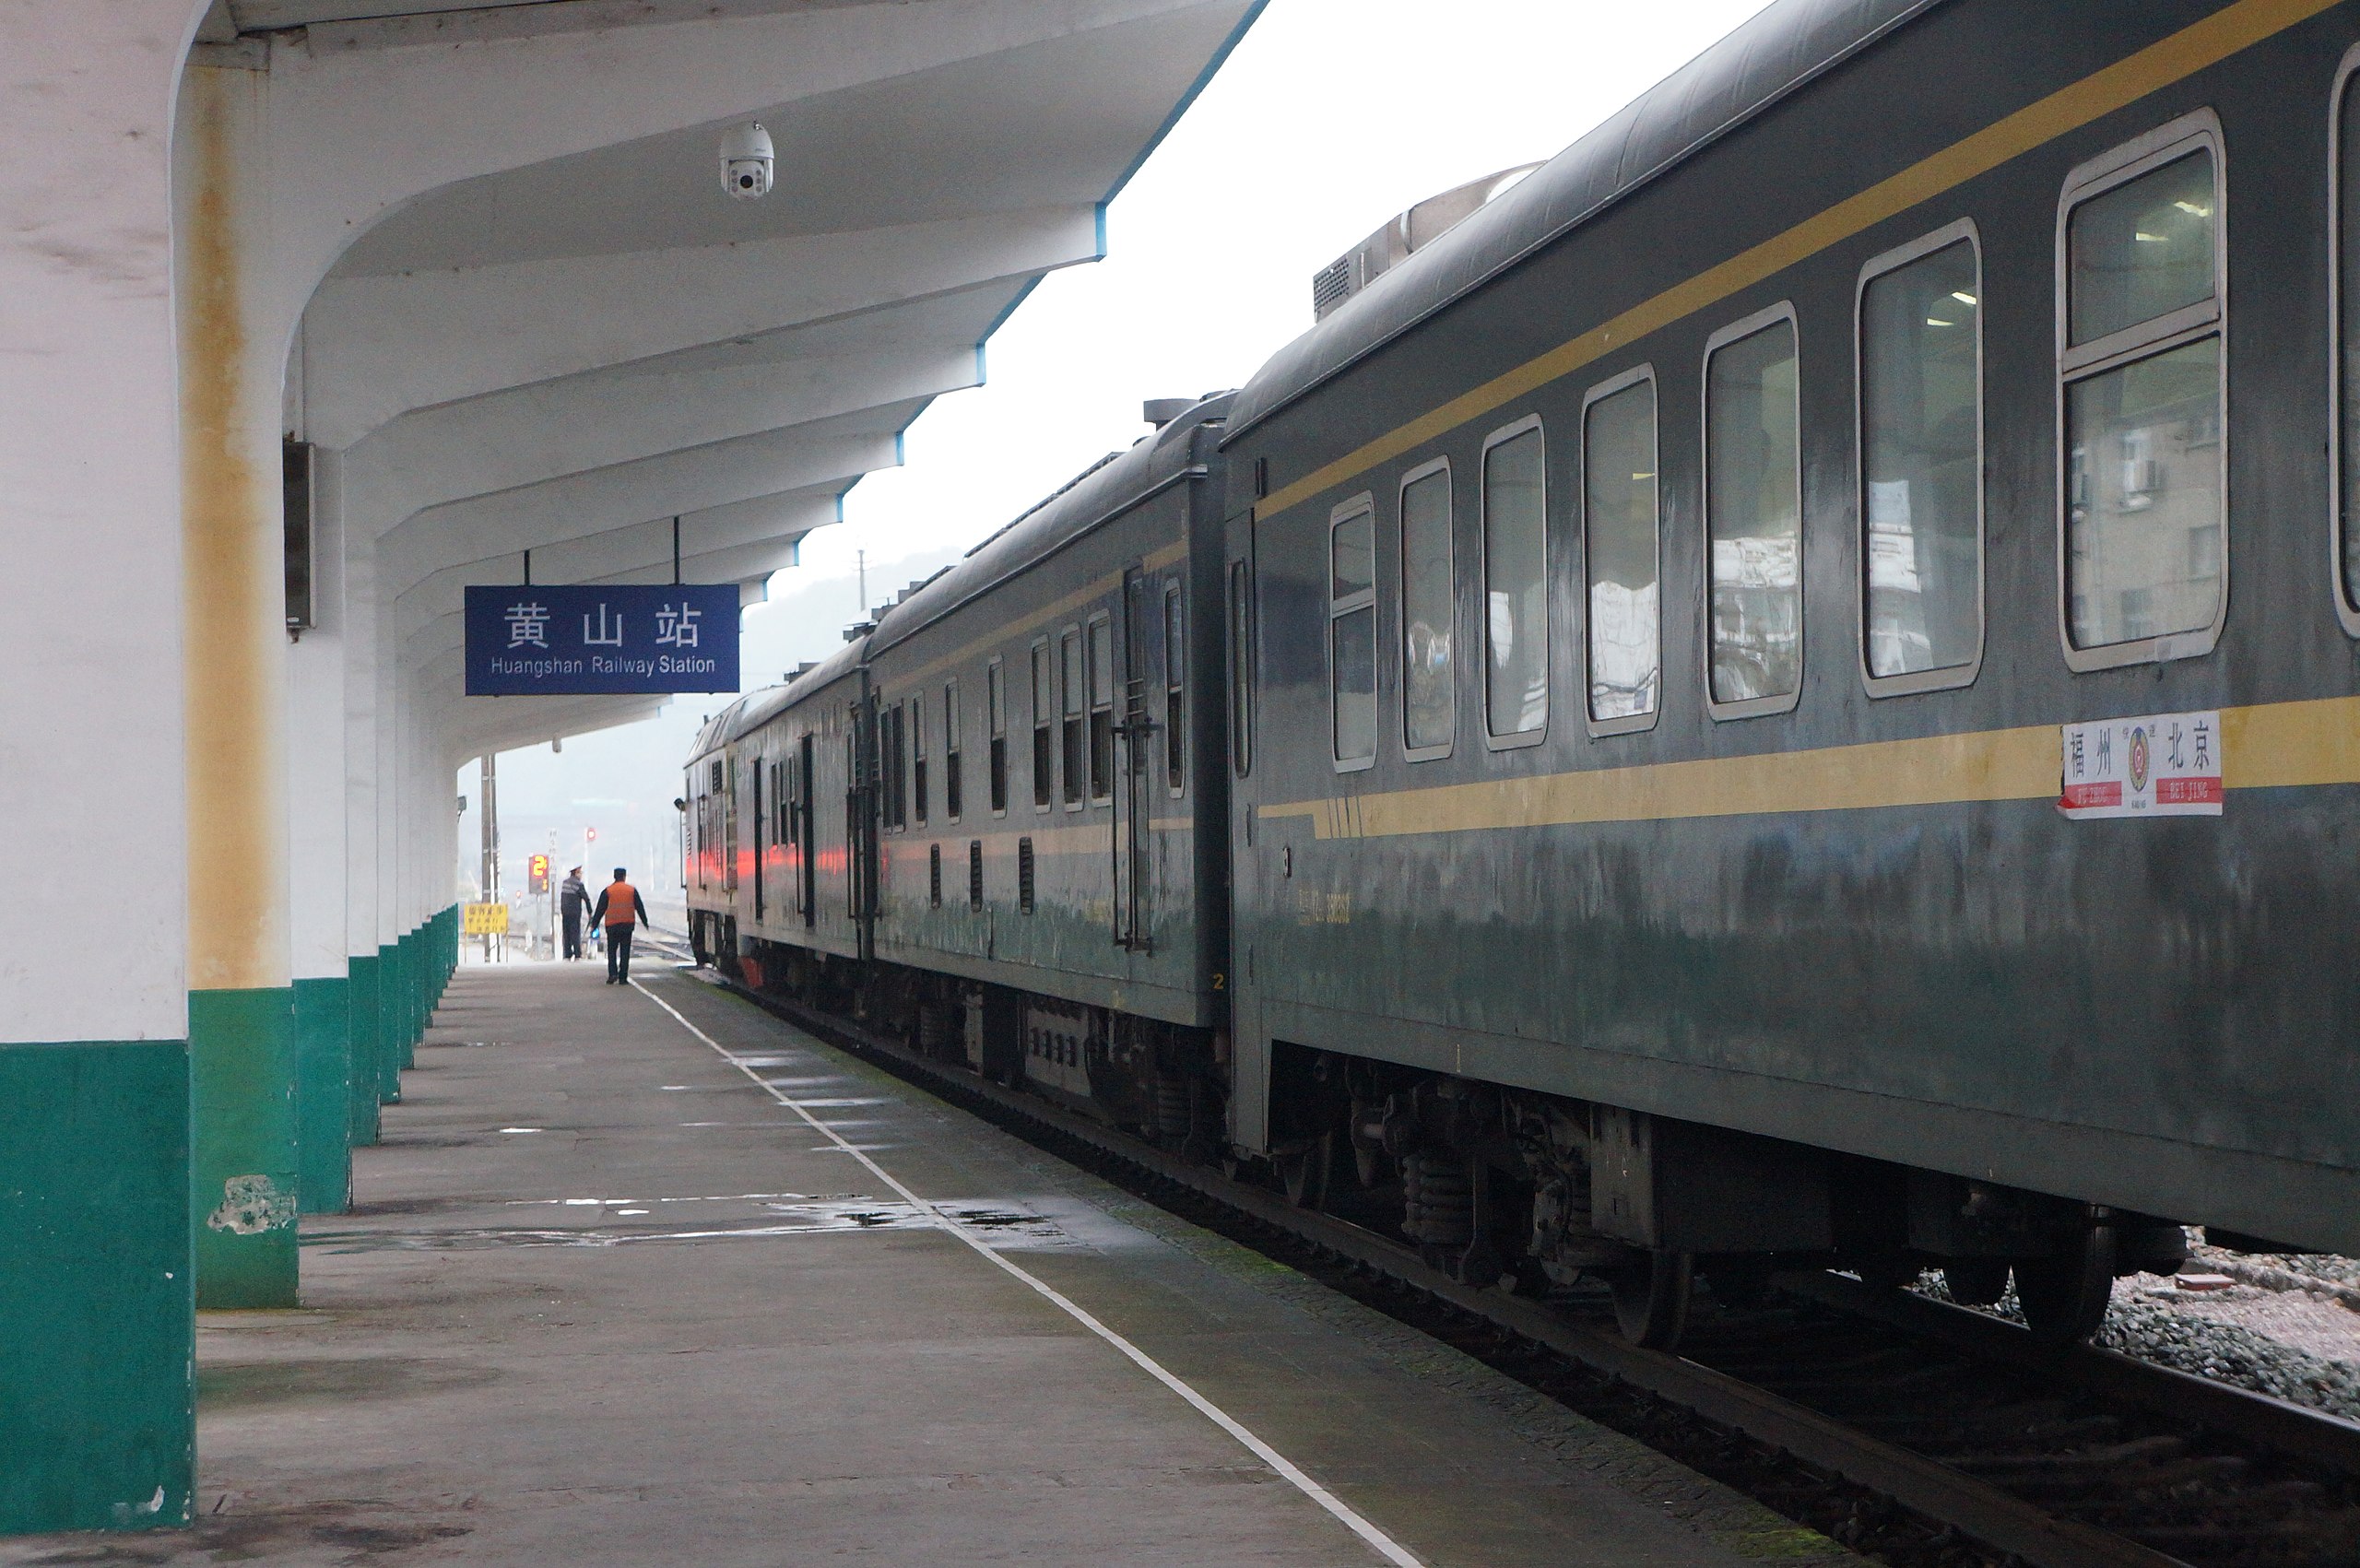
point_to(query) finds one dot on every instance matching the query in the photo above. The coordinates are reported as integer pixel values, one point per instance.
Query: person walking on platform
(619, 908)
(573, 900)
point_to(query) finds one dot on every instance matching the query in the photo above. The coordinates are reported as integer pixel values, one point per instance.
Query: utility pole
(490, 825)
(860, 565)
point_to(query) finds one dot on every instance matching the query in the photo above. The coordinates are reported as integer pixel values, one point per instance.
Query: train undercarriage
(1504, 1185)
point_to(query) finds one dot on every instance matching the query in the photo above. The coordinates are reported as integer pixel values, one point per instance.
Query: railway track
(1916, 1432)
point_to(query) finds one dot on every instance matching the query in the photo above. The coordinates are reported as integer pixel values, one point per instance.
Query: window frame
(1956, 676)
(954, 784)
(1243, 657)
(916, 708)
(1784, 703)
(1641, 374)
(2339, 524)
(1175, 686)
(1401, 602)
(1095, 710)
(1071, 788)
(1515, 739)
(1362, 504)
(996, 736)
(2119, 165)
(1043, 651)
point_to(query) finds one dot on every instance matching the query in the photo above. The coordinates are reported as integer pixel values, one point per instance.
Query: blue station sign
(536, 642)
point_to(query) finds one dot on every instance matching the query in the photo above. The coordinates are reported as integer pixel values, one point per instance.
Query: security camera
(747, 161)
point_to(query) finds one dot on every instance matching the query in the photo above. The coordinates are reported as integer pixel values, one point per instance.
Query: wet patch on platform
(222, 1386)
(778, 1215)
(365, 1531)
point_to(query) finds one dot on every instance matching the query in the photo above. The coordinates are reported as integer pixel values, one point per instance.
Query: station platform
(646, 1276)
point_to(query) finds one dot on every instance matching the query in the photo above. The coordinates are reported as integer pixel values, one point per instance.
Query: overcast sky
(1331, 116)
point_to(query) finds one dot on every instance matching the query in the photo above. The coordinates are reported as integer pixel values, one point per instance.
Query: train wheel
(1651, 1298)
(2065, 1297)
(1975, 1281)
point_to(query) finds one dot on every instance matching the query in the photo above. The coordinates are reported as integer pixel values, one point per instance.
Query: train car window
(916, 711)
(897, 769)
(2344, 450)
(1175, 691)
(951, 791)
(1241, 667)
(1621, 553)
(1429, 611)
(1073, 683)
(2141, 489)
(996, 703)
(1921, 463)
(1101, 709)
(1351, 634)
(1042, 710)
(1516, 585)
(1753, 516)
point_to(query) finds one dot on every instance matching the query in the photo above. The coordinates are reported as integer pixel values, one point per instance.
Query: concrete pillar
(240, 1005)
(316, 902)
(97, 1425)
(364, 917)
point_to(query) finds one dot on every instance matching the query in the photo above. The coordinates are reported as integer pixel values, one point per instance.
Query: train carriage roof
(717, 730)
(1776, 52)
(1101, 491)
(756, 709)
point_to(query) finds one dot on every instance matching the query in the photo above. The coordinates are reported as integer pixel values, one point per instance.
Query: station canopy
(604, 361)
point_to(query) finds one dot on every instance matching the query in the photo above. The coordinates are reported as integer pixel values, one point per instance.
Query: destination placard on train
(536, 642)
(2159, 765)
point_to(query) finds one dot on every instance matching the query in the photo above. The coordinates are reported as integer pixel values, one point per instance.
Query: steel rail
(2258, 1418)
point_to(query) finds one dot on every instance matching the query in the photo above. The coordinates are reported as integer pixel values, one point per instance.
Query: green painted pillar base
(98, 1328)
(368, 1069)
(389, 1024)
(413, 995)
(324, 1094)
(242, 1071)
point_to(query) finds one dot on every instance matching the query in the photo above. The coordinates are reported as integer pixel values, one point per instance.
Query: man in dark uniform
(573, 900)
(619, 908)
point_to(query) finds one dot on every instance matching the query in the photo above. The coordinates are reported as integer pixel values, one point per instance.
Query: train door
(861, 823)
(1133, 731)
(801, 826)
(729, 834)
(1249, 1100)
(760, 766)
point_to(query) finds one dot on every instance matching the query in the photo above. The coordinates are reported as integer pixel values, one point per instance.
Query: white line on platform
(1386, 1546)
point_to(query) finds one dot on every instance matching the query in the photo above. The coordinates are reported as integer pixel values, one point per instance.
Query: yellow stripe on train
(2276, 746)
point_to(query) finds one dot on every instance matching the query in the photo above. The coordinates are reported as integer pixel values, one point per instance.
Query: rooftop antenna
(860, 565)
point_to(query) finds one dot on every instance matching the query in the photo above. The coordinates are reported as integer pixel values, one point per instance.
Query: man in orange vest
(619, 908)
